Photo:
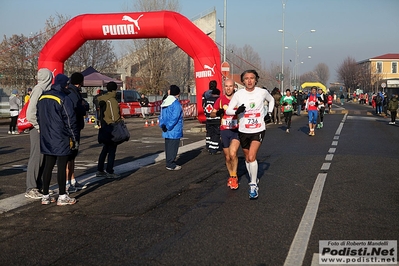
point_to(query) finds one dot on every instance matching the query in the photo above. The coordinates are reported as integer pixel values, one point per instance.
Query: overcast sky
(358, 28)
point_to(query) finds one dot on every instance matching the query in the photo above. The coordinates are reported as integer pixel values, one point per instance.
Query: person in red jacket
(228, 132)
(329, 102)
(311, 105)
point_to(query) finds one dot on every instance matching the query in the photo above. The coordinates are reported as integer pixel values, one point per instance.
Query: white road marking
(367, 118)
(329, 157)
(299, 244)
(325, 166)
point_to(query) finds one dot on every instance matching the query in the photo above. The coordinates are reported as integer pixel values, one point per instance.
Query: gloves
(220, 112)
(74, 145)
(285, 104)
(316, 104)
(164, 129)
(240, 109)
(268, 118)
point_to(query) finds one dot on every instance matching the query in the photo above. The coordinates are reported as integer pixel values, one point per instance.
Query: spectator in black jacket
(58, 136)
(212, 123)
(81, 106)
(144, 103)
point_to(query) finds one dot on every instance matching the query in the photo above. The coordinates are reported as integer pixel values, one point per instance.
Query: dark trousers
(213, 137)
(13, 123)
(393, 116)
(61, 172)
(287, 118)
(110, 150)
(171, 148)
(378, 109)
(320, 118)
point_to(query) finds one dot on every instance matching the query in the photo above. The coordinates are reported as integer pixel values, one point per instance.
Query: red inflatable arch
(138, 25)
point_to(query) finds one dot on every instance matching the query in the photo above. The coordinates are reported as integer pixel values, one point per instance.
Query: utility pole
(282, 50)
(224, 30)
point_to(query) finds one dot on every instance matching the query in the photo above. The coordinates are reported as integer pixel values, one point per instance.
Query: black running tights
(61, 172)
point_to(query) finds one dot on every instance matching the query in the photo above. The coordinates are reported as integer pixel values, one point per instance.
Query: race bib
(288, 107)
(252, 120)
(229, 122)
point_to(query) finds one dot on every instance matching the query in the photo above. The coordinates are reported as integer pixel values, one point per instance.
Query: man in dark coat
(212, 123)
(81, 107)
(58, 136)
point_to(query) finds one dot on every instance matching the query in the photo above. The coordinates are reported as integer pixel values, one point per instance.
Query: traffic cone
(146, 123)
(152, 123)
(157, 121)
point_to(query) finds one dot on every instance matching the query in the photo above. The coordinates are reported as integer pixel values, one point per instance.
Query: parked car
(128, 96)
(130, 106)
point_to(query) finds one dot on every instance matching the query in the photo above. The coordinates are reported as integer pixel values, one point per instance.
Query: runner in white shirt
(251, 115)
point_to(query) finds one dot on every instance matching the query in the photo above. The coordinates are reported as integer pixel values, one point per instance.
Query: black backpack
(378, 99)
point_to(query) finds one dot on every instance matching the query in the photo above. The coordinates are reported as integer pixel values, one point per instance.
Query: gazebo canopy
(93, 78)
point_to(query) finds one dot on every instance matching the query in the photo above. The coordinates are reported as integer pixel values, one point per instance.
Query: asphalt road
(341, 184)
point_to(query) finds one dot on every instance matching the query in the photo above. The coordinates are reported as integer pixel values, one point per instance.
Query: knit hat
(77, 78)
(29, 89)
(14, 91)
(111, 86)
(174, 90)
(212, 84)
(61, 79)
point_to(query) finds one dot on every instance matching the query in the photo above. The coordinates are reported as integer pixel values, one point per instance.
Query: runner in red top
(228, 132)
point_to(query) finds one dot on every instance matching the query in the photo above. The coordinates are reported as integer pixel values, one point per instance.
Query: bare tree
(322, 72)
(153, 57)
(310, 76)
(348, 73)
(243, 58)
(19, 55)
(96, 53)
(18, 61)
(270, 76)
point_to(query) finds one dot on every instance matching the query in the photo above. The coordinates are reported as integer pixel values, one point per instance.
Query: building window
(394, 67)
(379, 67)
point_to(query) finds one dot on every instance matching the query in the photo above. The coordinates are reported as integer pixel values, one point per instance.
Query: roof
(387, 56)
(93, 78)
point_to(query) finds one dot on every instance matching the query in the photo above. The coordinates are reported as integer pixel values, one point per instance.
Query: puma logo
(210, 68)
(134, 21)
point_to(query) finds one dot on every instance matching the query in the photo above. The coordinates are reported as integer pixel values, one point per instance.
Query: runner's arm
(270, 99)
(232, 105)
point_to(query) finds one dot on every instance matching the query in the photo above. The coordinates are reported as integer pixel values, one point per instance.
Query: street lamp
(296, 46)
(221, 25)
(296, 68)
(282, 49)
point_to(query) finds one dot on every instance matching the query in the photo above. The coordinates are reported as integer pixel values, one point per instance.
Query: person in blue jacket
(171, 123)
(58, 136)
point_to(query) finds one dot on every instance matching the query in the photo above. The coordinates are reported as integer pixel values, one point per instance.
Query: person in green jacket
(287, 102)
(109, 114)
(393, 108)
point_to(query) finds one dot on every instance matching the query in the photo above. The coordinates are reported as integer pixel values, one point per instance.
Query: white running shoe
(65, 200)
(253, 191)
